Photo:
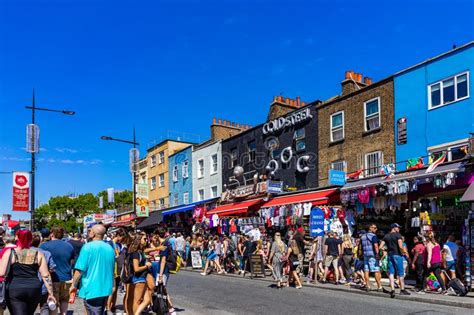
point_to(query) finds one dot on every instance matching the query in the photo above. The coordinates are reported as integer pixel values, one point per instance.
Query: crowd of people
(338, 259)
(47, 269)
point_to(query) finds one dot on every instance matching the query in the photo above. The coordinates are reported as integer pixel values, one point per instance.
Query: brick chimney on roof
(353, 82)
(223, 129)
(283, 105)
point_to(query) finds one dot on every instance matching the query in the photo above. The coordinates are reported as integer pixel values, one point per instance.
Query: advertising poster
(21, 191)
(142, 200)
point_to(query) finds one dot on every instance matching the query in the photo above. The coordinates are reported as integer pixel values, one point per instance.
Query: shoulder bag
(4, 283)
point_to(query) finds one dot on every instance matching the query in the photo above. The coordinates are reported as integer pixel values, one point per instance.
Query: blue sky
(173, 65)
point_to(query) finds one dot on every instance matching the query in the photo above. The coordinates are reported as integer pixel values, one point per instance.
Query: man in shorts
(370, 250)
(63, 256)
(396, 250)
(333, 250)
(164, 272)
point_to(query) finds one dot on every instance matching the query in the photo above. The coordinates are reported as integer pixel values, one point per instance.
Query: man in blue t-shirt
(63, 256)
(370, 250)
(95, 269)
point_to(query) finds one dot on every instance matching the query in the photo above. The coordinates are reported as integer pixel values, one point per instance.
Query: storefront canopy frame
(406, 175)
(234, 208)
(187, 207)
(317, 198)
(469, 194)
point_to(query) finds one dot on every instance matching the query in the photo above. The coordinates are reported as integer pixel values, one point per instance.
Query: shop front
(420, 200)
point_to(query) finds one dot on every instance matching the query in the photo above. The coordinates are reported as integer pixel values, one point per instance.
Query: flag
(356, 174)
(415, 163)
(101, 202)
(436, 162)
(110, 195)
(388, 170)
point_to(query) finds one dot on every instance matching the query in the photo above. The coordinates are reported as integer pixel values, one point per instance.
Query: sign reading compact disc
(21, 191)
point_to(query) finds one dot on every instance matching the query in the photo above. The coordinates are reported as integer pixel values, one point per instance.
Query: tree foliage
(68, 212)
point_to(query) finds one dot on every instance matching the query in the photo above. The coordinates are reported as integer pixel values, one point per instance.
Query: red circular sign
(21, 180)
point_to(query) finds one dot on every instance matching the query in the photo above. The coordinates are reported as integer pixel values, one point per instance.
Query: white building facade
(207, 171)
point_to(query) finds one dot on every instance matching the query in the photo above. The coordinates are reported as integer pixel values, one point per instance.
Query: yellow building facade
(157, 172)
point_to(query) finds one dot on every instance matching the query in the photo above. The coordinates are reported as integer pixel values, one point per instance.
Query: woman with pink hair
(20, 267)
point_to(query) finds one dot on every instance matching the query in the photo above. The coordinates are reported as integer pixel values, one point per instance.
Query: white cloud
(13, 158)
(66, 150)
(67, 161)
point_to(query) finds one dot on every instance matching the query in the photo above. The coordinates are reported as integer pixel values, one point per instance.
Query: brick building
(356, 129)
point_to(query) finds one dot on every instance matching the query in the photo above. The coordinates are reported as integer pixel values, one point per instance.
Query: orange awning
(317, 198)
(234, 208)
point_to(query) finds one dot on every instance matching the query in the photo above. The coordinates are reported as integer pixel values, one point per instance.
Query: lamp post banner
(142, 200)
(21, 191)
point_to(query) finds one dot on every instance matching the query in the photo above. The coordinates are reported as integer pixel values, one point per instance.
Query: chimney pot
(219, 121)
(367, 81)
(233, 124)
(359, 77)
(298, 101)
(214, 120)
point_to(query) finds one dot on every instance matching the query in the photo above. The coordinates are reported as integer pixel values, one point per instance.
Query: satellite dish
(238, 171)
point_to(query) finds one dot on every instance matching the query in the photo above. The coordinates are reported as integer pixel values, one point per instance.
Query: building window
(252, 150)
(175, 173)
(337, 126)
(162, 203)
(162, 157)
(162, 180)
(175, 199)
(339, 165)
(185, 169)
(200, 168)
(234, 157)
(448, 90)
(200, 194)
(372, 114)
(373, 162)
(299, 138)
(213, 191)
(455, 151)
(153, 160)
(153, 182)
(185, 198)
(214, 164)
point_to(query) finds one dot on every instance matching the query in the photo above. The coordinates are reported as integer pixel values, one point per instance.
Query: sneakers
(392, 294)
(420, 292)
(203, 274)
(404, 292)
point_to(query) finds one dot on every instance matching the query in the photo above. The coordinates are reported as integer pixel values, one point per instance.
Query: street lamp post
(133, 167)
(35, 149)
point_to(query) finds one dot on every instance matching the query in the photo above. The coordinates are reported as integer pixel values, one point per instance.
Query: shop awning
(124, 222)
(320, 197)
(234, 208)
(187, 207)
(469, 194)
(153, 220)
(405, 175)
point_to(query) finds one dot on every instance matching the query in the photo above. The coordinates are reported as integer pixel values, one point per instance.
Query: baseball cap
(45, 232)
(394, 225)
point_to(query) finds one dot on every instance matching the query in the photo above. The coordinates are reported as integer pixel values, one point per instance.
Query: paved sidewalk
(449, 300)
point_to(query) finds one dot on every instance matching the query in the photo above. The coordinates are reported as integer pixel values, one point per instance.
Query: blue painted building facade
(181, 177)
(433, 102)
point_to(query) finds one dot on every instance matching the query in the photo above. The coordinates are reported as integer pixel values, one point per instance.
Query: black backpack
(126, 274)
(171, 257)
(159, 301)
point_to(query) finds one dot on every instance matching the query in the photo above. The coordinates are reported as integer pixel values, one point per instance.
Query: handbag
(160, 300)
(4, 283)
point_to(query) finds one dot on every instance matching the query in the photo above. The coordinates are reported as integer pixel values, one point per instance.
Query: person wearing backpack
(370, 251)
(164, 273)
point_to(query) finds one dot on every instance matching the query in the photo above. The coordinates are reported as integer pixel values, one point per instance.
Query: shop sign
(402, 130)
(21, 191)
(316, 223)
(256, 265)
(261, 188)
(274, 187)
(196, 259)
(288, 121)
(89, 219)
(98, 216)
(337, 178)
(107, 219)
(111, 212)
(142, 200)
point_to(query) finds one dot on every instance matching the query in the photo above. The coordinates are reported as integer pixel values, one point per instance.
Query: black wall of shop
(287, 172)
